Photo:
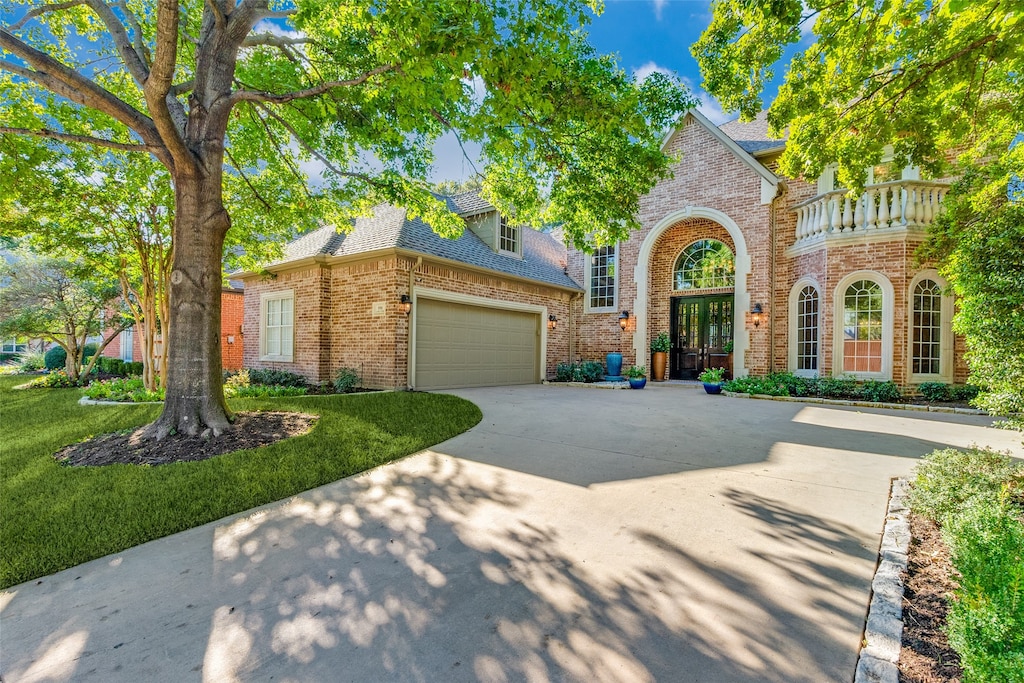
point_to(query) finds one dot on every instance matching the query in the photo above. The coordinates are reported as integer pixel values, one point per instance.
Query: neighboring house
(799, 277)
(478, 306)
(128, 344)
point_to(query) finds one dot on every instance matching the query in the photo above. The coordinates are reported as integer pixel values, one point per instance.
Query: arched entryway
(700, 318)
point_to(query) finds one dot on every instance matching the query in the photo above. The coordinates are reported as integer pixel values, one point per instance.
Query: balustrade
(901, 203)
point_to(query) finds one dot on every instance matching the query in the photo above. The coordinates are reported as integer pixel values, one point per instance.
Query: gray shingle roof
(752, 136)
(390, 228)
(469, 203)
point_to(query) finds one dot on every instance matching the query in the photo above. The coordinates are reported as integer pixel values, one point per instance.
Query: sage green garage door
(458, 345)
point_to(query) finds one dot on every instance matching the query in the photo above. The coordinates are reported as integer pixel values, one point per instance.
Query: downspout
(573, 340)
(409, 322)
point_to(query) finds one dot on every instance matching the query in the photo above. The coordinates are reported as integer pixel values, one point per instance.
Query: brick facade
(713, 177)
(336, 325)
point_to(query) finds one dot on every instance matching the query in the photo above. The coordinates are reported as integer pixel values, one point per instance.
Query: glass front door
(701, 325)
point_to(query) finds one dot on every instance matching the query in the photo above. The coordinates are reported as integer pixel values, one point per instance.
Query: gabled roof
(729, 143)
(752, 136)
(389, 227)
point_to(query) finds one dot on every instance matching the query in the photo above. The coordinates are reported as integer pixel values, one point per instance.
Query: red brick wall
(335, 326)
(232, 312)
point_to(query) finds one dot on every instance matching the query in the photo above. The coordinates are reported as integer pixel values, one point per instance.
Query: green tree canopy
(253, 92)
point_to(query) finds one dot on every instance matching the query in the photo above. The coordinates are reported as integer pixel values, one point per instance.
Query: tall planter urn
(660, 347)
(613, 361)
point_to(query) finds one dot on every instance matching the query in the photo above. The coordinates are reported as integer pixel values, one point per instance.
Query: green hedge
(977, 496)
(788, 384)
(587, 371)
(56, 357)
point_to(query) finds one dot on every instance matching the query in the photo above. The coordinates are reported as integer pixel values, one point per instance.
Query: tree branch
(245, 178)
(157, 86)
(133, 61)
(44, 9)
(273, 40)
(68, 83)
(258, 96)
(85, 139)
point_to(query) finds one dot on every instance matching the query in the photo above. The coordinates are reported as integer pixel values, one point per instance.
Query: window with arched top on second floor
(705, 264)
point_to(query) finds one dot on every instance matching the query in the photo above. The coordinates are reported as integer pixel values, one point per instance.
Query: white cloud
(706, 104)
(659, 6)
(267, 26)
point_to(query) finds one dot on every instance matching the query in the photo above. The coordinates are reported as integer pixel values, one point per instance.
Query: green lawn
(54, 517)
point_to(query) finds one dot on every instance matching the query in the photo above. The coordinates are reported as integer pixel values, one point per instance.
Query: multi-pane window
(705, 264)
(862, 327)
(14, 346)
(927, 328)
(278, 326)
(602, 278)
(508, 236)
(807, 330)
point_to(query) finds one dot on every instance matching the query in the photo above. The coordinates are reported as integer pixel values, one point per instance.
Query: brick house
(798, 276)
(128, 344)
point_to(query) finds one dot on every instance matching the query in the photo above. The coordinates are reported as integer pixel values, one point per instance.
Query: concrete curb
(884, 630)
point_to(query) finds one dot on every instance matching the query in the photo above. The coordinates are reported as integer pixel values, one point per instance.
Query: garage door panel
(459, 345)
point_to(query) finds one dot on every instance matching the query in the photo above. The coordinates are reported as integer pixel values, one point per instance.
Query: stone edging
(858, 404)
(86, 401)
(884, 630)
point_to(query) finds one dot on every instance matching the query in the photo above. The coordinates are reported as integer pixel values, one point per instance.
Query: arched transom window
(705, 264)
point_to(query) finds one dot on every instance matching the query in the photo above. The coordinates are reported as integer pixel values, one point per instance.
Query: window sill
(277, 359)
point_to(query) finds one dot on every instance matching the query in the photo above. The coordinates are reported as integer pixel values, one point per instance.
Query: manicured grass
(54, 516)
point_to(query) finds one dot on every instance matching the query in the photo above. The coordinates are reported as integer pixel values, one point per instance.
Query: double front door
(701, 326)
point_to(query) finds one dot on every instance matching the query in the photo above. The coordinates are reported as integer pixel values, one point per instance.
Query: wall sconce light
(623, 319)
(552, 322)
(406, 304)
(756, 315)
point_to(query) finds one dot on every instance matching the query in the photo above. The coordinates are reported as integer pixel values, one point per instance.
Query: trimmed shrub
(592, 370)
(963, 392)
(588, 371)
(934, 391)
(263, 391)
(281, 378)
(111, 366)
(131, 369)
(564, 372)
(54, 358)
(345, 380)
(948, 479)
(881, 392)
(986, 617)
(838, 387)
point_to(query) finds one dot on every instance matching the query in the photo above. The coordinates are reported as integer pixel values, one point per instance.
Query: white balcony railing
(901, 203)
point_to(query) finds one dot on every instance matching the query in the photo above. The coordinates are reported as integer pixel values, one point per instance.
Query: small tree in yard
(59, 301)
(223, 93)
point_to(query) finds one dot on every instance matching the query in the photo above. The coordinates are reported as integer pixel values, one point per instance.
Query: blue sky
(646, 36)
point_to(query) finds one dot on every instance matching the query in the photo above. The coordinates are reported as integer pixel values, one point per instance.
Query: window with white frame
(277, 326)
(930, 333)
(508, 236)
(863, 326)
(806, 331)
(19, 345)
(601, 279)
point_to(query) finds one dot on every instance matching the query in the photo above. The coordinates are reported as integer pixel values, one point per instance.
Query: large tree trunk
(193, 380)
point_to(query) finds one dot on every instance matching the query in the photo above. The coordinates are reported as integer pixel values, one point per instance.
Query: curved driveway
(574, 534)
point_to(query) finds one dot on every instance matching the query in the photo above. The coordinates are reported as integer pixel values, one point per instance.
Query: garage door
(458, 345)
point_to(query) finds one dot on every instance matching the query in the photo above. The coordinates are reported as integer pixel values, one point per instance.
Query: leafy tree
(60, 301)
(217, 90)
(113, 213)
(452, 187)
(942, 82)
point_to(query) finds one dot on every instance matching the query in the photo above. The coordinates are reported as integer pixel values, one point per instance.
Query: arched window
(931, 335)
(705, 264)
(804, 328)
(927, 330)
(862, 327)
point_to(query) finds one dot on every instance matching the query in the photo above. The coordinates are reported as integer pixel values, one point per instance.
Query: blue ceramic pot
(614, 363)
(712, 388)
(637, 382)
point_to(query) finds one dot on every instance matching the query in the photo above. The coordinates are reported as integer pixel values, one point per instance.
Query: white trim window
(602, 280)
(18, 345)
(930, 332)
(509, 237)
(704, 264)
(277, 327)
(864, 326)
(805, 329)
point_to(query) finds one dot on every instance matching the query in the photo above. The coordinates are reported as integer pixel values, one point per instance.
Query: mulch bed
(249, 430)
(926, 656)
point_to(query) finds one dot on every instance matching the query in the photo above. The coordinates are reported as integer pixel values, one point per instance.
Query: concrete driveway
(575, 534)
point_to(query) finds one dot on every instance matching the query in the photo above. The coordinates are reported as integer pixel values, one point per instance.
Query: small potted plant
(712, 379)
(660, 346)
(637, 376)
